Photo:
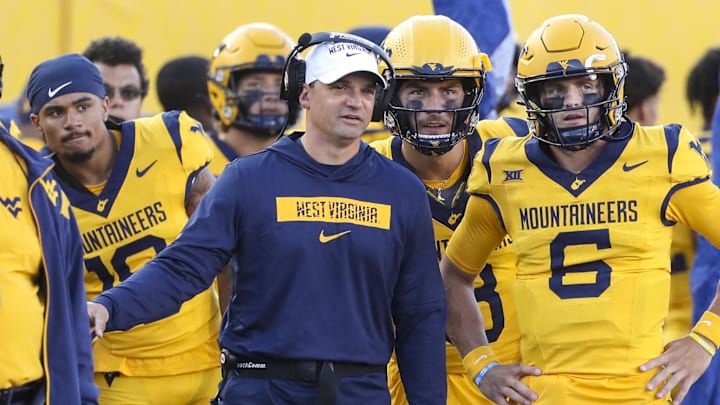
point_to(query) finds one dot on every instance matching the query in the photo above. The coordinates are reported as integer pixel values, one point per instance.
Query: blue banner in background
(488, 21)
(704, 278)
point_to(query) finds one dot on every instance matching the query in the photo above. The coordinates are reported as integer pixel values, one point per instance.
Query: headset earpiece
(378, 107)
(290, 91)
(383, 97)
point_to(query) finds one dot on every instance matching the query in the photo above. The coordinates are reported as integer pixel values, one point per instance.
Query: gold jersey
(593, 248)
(682, 250)
(139, 211)
(376, 131)
(493, 286)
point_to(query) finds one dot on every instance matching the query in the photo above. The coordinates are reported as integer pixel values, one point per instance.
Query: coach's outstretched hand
(99, 316)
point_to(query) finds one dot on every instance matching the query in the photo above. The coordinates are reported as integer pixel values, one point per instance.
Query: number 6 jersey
(593, 247)
(126, 222)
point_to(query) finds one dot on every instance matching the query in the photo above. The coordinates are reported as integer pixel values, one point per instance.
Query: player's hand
(502, 383)
(99, 316)
(680, 365)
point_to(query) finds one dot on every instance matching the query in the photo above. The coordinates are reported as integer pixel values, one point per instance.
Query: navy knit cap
(71, 73)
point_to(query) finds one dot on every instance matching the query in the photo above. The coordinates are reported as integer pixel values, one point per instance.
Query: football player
(132, 186)
(181, 84)
(244, 88)
(589, 201)
(432, 116)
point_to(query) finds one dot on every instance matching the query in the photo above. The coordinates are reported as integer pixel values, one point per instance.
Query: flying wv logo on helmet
(264, 60)
(570, 65)
(433, 68)
(565, 65)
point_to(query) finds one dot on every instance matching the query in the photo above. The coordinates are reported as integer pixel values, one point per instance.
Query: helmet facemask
(249, 49)
(247, 107)
(403, 120)
(602, 111)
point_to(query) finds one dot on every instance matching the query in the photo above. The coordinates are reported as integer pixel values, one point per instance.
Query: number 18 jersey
(139, 211)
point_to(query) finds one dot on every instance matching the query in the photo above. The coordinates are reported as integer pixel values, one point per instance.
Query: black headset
(294, 71)
(1, 84)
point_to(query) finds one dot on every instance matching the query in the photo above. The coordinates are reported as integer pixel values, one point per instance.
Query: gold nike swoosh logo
(327, 238)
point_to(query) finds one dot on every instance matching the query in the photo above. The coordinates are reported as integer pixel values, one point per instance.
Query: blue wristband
(481, 374)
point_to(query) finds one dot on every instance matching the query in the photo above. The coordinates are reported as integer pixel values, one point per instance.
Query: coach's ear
(304, 97)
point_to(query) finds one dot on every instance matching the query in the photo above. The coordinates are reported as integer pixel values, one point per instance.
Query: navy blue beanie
(71, 73)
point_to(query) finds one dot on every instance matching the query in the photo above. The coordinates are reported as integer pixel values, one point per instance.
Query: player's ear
(106, 108)
(35, 120)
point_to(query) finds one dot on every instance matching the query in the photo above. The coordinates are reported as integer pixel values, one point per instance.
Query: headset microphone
(304, 40)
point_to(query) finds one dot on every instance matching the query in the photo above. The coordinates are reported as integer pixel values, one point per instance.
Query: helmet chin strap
(576, 138)
(400, 121)
(270, 122)
(262, 126)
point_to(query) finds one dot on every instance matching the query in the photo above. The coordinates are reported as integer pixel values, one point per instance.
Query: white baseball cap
(330, 61)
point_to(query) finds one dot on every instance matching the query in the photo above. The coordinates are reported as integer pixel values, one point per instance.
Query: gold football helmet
(572, 46)
(434, 47)
(256, 47)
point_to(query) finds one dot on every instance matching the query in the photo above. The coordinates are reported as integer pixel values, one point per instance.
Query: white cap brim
(331, 61)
